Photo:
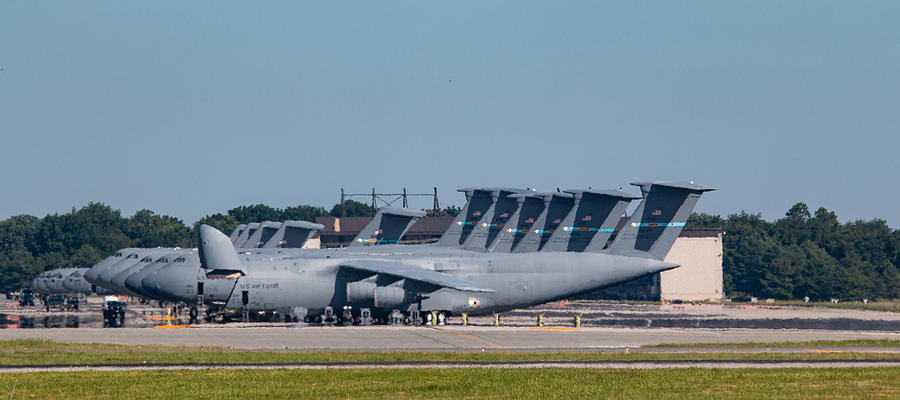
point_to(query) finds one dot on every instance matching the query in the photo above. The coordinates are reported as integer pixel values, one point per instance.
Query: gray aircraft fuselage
(315, 279)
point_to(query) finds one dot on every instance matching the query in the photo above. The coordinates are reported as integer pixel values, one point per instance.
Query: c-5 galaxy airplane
(113, 271)
(124, 271)
(564, 250)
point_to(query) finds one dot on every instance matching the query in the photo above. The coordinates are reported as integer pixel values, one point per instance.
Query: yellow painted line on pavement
(173, 326)
(155, 318)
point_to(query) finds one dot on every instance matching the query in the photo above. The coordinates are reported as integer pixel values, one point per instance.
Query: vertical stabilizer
(477, 203)
(528, 208)
(248, 231)
(493, 220)
(262, 235)
(652, 229)
(237, 232)
(591, 220)
(556, 207)
(388, 226)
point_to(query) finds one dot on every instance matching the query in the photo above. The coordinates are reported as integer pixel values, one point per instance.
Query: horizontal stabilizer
(403, 212)
(414, 273)
(293, 234)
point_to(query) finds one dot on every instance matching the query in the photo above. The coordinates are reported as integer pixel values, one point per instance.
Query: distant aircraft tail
(262, 235)
(248, 231)
(591, 220)
(478, 201)
(388, 226)
(494, 219)
(293, 234)
(529, 207)
(652, 229)
(556, 206)
(237, 232)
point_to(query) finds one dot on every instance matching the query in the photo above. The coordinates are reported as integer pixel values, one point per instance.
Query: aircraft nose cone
(133, 283)
(91, 274)
(174, 282)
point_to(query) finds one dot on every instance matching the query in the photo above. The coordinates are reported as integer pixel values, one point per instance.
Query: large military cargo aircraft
(565, 252)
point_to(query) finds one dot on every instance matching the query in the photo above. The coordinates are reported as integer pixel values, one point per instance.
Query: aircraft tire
(193, 313)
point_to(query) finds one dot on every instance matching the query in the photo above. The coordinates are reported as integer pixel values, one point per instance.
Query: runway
(446, 338)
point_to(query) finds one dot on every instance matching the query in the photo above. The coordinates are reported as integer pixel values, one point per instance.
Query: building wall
(700, 275)
(312, 243)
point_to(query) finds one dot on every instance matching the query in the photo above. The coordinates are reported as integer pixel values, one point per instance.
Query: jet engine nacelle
(360, 292)
(389, 296)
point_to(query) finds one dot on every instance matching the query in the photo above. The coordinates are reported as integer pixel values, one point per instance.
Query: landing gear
(435, 317)
(365, 317)
(396, 318)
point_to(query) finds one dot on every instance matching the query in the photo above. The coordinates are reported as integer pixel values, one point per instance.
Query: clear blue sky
(192, 108)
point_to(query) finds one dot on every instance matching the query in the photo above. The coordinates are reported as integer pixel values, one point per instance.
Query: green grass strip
(32, 352)
(814, 343)
(460, 383)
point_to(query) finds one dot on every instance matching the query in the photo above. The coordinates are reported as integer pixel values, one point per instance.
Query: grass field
(879, 305)
(815, 343)
(43, 352)
(874, 305)
(472, 383)
(843, 383)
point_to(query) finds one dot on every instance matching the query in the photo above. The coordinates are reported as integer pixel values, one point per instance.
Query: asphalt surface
(303, 337)
(618, 364)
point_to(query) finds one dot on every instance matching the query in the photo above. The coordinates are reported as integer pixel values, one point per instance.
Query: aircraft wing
(414, 273)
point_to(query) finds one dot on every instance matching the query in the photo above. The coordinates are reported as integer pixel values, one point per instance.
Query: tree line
(807, 254)
(801, 254)
(81, 238)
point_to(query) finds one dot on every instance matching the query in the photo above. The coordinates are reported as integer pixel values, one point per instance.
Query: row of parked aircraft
(507, 248)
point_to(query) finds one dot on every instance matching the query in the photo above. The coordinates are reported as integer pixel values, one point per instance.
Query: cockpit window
(118, 254)
(146, 259)
(162, 260)
(179, 259)
(132, 255)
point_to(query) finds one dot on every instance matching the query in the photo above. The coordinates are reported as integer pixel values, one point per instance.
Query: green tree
(146, 229)
(17, 268)
(353, 209)
(223, 222)
(305, 213)
(255, 213)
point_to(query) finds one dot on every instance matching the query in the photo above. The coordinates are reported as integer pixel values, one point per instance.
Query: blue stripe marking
(656, 225)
